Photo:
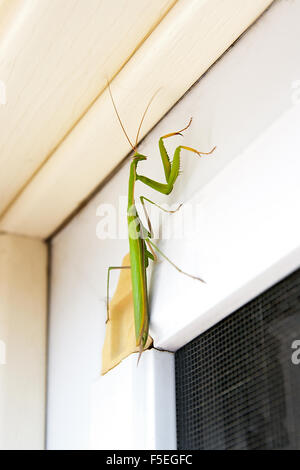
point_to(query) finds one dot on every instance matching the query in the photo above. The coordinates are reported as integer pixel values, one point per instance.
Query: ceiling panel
(188, 40)
(54, 59)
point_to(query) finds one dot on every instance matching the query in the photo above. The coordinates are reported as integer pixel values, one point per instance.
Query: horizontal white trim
(248, 237)
(191, 37)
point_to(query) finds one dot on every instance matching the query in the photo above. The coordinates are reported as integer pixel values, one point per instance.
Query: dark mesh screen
(236, 384)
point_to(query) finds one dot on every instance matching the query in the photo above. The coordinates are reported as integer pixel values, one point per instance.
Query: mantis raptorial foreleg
(107, 286)
(171, 169)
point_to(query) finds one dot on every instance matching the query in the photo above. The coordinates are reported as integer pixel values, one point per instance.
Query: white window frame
(134, 408)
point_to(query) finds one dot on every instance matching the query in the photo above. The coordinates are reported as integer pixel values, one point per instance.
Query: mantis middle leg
(150, 242)
(142, 199)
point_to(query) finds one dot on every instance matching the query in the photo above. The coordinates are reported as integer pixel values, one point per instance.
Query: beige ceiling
(58, 124)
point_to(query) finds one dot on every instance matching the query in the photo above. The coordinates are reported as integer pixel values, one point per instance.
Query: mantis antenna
(134, 147)
(119, 119)
(144, 115)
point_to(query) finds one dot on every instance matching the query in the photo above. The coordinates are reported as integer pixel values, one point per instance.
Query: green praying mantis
(141, 245)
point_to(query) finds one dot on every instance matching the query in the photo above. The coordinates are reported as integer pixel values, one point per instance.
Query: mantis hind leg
(107, 286)
(150, 242)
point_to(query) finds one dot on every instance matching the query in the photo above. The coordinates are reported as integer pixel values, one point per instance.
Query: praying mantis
(142, 248)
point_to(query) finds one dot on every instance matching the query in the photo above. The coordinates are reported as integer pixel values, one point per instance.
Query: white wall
(234, 107)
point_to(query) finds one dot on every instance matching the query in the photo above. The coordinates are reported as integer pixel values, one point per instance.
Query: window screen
(237, 384)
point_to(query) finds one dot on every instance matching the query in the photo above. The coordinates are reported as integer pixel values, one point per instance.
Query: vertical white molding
(134, 407)
(23, 307)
